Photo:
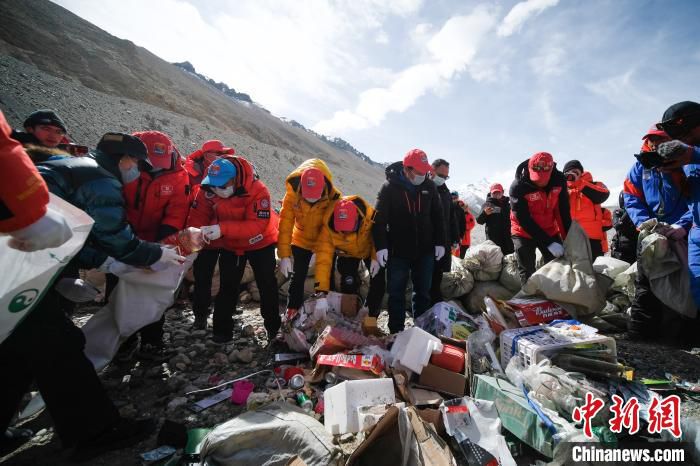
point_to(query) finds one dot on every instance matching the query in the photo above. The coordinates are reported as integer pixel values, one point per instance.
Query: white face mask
(312, 200)
(418, 180)
(130, 174)
(224, 192)
(438, 180)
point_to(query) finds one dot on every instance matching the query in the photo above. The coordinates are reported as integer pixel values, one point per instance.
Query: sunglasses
(542, 167)
(679, 127)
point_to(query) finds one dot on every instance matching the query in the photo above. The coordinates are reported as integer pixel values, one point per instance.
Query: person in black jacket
(540, 216)
(408, 233)
(460, 218)
(496, 215)
(624, 242)
(440, 174)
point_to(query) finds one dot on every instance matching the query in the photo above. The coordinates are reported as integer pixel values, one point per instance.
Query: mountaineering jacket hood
(84, 183)
(357, 244)
(157, 204)
(539, 213)
(585, 199)
(408, 221)
(247, 220)
(498, 227)
(300, 221)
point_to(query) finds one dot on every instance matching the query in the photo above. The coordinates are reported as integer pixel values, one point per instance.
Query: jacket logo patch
(532, 197)
(256, 239)
(159, 149)
(263, 214)
(166, 190)
(265, 204)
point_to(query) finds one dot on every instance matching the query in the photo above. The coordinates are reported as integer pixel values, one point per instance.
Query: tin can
(272, 382)
(331, 378)
(296, 382)
(304, 402)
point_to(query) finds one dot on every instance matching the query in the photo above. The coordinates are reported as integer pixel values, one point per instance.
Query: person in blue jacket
(654, 193)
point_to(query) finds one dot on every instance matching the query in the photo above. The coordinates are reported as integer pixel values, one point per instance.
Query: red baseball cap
(540, 166)
(416, 159)
(345, 215)
(217, 146)
(495, 187)
(654, 131)
(160, 148)
(312, 183)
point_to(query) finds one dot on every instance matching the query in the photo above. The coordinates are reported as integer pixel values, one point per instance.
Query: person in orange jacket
(234, 213)
(197, 163)
(347, 232)
(607, 225)
(471, 223)
(310, 195)
(585, 199)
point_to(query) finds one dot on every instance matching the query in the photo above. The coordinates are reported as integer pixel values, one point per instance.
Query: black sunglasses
(679, 127)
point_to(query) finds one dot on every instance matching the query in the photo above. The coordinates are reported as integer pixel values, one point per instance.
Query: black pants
(302, 257)
(463, 251)
(47, 348)
(151, 334)
(646, 311)
(439, 268)
(231, 268)
(527, 257)
(596, 249)
(350, 282)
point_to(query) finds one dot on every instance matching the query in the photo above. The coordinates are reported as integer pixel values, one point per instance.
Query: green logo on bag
(23, 300)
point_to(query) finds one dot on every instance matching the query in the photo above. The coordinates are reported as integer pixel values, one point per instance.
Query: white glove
(556, 249)
(676, 232)
(312, 261)
(50, 231)
(168, 258)
(382, 257)
(321, 305)
(374, 268)
(211, 232)
(286, 266)
(439, 252)
(76, 290)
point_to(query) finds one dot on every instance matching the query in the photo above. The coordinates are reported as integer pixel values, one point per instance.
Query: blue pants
(398, 270)
(694, 262)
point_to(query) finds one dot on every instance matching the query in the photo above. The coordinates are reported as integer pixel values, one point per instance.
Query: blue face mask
(130, 175)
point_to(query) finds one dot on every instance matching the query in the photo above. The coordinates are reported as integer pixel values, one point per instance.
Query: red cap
(217, 146)
(540, 166)
(416, 159)
(654, 131)
(160, 148)
(495, 187)
(345, 215)
(312, 183)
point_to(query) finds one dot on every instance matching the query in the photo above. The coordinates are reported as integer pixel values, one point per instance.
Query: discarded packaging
(201, 405)
(157, 454)
(413, 348)
(365, 362)
(241, 391)
(534, 311)
(333, 340)
(291, 358)
(296, 382)
(447, 319)
(304, 402)
(343, 400)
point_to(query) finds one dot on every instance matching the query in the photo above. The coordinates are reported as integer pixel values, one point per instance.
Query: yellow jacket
(357, 244)
(300, 221)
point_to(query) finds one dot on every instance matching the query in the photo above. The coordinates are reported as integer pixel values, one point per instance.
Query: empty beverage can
(304, 402)
(296, 382)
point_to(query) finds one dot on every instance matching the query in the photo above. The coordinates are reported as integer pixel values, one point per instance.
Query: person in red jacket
(198, 161)
(585, 199)
(540, 216)
(157, 205)
(234, 212)
(466, 240)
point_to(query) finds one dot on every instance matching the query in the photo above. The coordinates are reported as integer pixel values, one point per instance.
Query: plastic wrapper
(447, 319)
(187, 241)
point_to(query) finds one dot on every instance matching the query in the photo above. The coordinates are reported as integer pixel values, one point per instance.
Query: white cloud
(449, 52)
(550, 61)
(621, 91)
(520, 13)
(382, 38)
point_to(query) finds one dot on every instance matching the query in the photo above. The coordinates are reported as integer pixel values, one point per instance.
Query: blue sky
(481, 84)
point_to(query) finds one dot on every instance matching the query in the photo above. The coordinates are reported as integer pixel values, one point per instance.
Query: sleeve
(633, 194)
(381, 219)
(686, 221)
(201, 212)
(564, 211)
(284, 240)
(324, 259)
(521, 211)
(255, 221)
(23, 192)
(481, 219)
(178, 207)
(454, 224)
(607, 219)
(111, 234)
(597, 192)
(440, 235)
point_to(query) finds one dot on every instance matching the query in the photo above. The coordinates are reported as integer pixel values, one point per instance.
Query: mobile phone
(650, 159)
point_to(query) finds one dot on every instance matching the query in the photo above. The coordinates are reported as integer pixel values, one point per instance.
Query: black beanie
(45, 117)
(680, 110)
(572, 164)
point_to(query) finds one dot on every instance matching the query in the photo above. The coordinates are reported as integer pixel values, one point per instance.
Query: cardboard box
(444, 381)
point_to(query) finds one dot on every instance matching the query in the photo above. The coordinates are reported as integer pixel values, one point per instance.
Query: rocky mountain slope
(51, 58)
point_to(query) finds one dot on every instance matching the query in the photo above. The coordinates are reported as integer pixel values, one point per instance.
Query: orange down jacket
(246, 219)
(300, 221)
(585, 199)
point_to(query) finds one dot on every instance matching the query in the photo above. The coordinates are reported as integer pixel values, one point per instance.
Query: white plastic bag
(490, 259)
(609, 266)
(27, 275)
(457, 282)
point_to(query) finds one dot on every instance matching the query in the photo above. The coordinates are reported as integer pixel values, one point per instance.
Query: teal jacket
(92, 184)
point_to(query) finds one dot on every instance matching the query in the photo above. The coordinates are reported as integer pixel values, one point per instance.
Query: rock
(245, 355)
(198, 347)
(233, 357)
(199, 333)
(189, 388)
(129, 411)
(176, 403)
(181, 366)
(248, 330)
(175, 382)
(180, 358)
(220, 359)
(192, 354)
(154, 372)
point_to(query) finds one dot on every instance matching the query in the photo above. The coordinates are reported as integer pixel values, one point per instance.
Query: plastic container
(532, 344)
(413, 348)
(341, 402)
(241, 391)
(451, 358)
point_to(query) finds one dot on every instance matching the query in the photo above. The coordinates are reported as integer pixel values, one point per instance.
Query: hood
(394, 174)
(363, 208)
(245, 175)
(106, 161)
(294, 179)
(522, 175)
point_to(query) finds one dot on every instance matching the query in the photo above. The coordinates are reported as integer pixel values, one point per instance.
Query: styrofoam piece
(342, 403)
(413, 348)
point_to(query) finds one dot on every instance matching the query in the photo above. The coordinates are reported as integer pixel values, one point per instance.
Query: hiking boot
(200, 323)
(123, 434)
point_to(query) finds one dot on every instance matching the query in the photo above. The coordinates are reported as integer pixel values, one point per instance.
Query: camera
(650, 159)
